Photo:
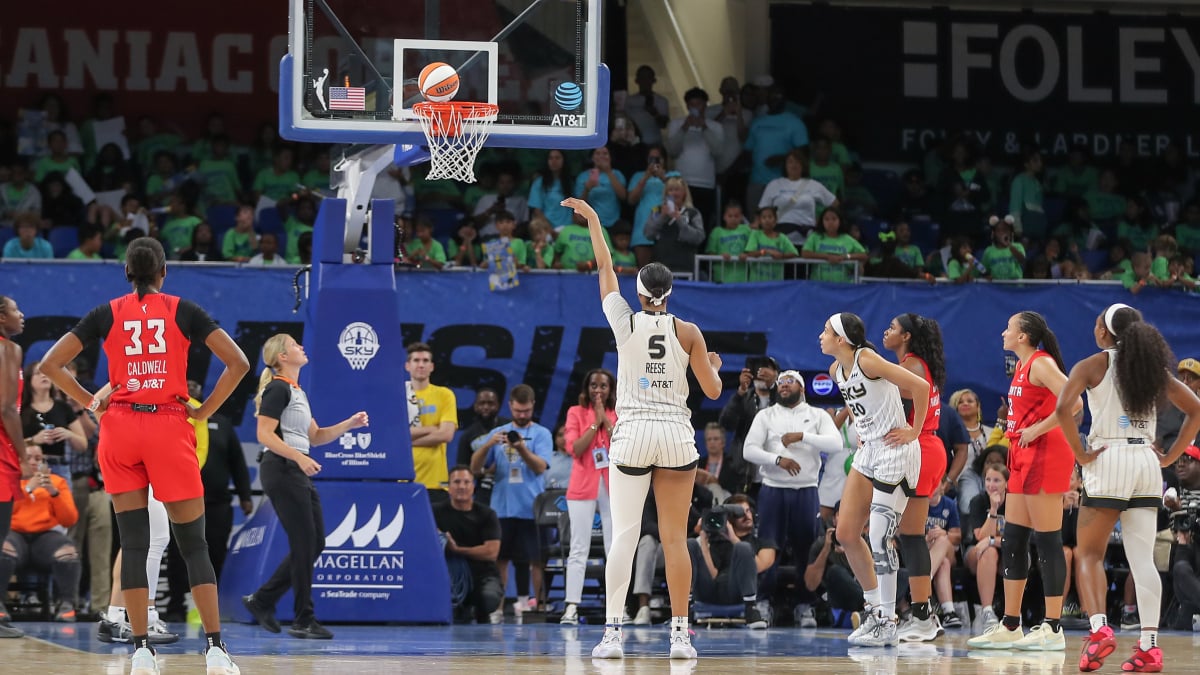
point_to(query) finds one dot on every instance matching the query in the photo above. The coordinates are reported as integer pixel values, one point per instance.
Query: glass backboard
(350, 75)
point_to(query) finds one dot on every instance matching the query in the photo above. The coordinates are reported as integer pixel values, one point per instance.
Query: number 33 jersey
(651, 364)
(146, 341)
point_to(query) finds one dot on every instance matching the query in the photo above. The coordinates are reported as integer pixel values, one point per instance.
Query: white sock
(874, 598)
(116, 614)
(947, 607)
(1098, 621)
(523, 602)
(679, 624)
(1149, 640)
(615, 622)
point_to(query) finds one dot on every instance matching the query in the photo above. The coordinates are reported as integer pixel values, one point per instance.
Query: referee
(287, 430)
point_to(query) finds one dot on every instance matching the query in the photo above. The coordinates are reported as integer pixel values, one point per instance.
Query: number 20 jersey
(874, 402)
(651, 364)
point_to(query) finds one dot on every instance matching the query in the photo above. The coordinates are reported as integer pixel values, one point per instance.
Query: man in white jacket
(787, 440)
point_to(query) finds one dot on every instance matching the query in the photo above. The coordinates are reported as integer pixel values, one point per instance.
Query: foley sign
(1003, 77)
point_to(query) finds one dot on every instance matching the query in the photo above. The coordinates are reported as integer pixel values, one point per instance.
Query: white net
(455, 131)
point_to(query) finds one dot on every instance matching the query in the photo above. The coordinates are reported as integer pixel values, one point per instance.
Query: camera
(1187, 518)
(753, 363)
(514, 437)
(713, 520)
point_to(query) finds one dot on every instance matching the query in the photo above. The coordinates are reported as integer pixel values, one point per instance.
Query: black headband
(905, 323)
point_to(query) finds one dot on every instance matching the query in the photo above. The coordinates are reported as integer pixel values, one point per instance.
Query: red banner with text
(176, 62)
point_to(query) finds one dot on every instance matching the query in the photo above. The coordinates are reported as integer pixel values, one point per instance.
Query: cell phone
(595, 173)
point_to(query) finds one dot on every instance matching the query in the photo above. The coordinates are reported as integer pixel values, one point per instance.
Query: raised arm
(604, 263)
(1183, 398)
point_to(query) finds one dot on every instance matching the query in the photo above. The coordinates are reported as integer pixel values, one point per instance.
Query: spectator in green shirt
(58, 159)
(824, 168)
(280, 180)
(1137, 226)
(541, 243)
(317, 178)
(729, 242)
(303, 215)
(573, 246)
(1077, 178)
(963, 267)
(165, 180)
(1187, 233)
(176, 233)
(1025, 200)
(241, 243)
(27, 245)
(424, 250)
(906, 251)
(624, 259)
(91, 238)
(1005, 258)
(218, 173)
(767, 243)
(1105, 202)
(1139, 275)
(1165, 248)
(833, 243)
(1178, 275)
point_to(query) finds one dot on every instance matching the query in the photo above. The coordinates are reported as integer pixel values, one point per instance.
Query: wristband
(777, 459)
(94, 405)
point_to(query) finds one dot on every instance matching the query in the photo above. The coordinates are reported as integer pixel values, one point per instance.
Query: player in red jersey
(12, 440)
(1040, 464)
(917, 343)
(146, 438)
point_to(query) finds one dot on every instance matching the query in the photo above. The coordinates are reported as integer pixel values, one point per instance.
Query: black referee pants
(298, 507)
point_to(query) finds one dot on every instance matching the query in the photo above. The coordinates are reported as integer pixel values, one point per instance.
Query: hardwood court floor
(511, 649)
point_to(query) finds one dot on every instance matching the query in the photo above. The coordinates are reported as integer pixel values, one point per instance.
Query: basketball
(438, 82)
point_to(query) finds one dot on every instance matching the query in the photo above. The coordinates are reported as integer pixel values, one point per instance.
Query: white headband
(642, 290)
(836, 322)
(1108, 315)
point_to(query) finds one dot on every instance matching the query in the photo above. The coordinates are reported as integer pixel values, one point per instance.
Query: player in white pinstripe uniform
(653, 442)
(885, 471)
(1121, 471)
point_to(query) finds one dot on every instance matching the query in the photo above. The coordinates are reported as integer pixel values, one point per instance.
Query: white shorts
(642, 444)
(1123, 477)
(890, 467)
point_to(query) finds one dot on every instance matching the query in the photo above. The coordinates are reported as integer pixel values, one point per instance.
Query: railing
(793, 268)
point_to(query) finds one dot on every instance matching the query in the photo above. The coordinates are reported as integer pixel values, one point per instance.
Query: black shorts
(519, 540)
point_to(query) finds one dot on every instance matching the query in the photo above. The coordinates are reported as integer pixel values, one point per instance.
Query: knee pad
(134, 529)
(916, 555)
(1014, 552)
(881, 532)
(194, 550)
(1051, 561)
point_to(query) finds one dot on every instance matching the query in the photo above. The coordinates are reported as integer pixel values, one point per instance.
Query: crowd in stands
(740, 178)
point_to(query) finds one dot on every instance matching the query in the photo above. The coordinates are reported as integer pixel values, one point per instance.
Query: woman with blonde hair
(287, 431)
(676, 228)
(970, 483)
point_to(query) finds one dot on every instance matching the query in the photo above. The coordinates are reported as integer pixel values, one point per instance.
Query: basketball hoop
(455, 131)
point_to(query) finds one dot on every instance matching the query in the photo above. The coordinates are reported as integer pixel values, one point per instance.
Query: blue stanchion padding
(383, 560)
(353, 341)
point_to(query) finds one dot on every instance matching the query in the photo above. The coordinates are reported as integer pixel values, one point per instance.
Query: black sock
(1053, 623)
(749, 605)
(214, 640)
(920, 611)
(140, 641)
(1011, 622)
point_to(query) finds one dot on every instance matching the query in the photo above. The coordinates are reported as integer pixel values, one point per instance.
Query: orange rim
(445, 119)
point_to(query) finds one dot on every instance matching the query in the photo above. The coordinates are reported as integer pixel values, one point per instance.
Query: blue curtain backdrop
(550, 330)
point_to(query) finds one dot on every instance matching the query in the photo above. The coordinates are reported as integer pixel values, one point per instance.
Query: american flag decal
(347, 98)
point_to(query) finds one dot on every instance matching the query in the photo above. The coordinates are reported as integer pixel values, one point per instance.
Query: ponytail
(1034, 325)
(272, 348)
(1143, 362)
(268, 374)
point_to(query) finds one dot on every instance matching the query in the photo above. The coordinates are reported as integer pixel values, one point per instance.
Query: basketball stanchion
(455, 131)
